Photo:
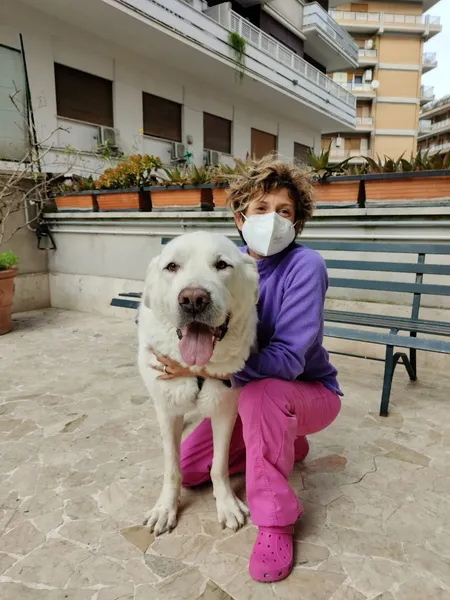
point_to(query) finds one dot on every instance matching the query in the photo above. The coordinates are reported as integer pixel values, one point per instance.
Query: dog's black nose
(194, 300)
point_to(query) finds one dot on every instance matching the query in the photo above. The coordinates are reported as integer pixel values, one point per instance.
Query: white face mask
(268, 234)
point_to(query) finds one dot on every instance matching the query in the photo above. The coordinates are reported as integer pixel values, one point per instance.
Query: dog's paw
(161, 518)
(231, 512)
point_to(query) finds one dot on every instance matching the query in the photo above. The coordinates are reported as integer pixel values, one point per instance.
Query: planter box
(338, 190)
(175, 196)
(220, 195)
(85, 201)
(7, 278)
(420, 185)
(124, 200)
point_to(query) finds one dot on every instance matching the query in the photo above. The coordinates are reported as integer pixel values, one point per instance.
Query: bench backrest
(418, 251)
(388, 264)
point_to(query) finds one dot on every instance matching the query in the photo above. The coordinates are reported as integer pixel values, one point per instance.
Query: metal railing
(367, 53)
(267, 44)
(314, 14)
(342, 153)
(387, 18)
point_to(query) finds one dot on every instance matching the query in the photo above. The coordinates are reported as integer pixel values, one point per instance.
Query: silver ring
(165, 370)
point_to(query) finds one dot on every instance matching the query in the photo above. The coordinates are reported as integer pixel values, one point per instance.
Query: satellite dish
(375, 84)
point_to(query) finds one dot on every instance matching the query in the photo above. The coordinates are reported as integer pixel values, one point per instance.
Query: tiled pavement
(81, 461)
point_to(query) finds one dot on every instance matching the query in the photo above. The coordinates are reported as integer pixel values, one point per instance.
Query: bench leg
(413, 364)
(389, 367)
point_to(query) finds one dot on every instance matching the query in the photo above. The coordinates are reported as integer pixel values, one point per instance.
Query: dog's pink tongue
(196, 346)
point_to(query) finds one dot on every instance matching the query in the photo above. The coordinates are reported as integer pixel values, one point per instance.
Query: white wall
(45, 43)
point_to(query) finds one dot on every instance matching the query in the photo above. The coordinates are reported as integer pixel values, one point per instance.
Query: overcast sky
(439, 78)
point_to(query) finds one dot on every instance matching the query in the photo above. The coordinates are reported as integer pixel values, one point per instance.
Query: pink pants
(269, 436)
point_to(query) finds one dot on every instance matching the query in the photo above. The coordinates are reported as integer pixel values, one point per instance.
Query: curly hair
(270, 174)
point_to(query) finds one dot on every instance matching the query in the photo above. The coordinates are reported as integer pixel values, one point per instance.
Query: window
(358, 79)
(13, 129)
(216, 133)
(162, 118)
(83, 96)
(262, 143)
(301, 152)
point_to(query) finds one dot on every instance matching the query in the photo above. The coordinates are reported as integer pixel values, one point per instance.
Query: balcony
(177, 36)
(361, 90)
(426, 94)
(326, 41)
(368, 57)
(364, 123)
(439, 148)
(429, 61)
(424, 127)
(279, 58)
(356, 156)
(381, 22)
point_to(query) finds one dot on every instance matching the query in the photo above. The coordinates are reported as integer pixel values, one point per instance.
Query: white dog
(198, 308)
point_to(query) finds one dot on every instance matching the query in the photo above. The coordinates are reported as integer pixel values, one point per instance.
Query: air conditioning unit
(338, 142)
(212, 158)
(178, 151)
(368, 44)
(107, 136)
(368, 75)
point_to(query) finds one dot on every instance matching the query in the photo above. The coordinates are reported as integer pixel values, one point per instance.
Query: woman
(289, 388)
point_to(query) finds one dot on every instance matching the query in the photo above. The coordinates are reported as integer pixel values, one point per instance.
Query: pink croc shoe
(272, 558)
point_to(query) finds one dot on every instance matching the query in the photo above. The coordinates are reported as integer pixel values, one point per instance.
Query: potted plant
(122, 187)
(77, 195)
(420, 178)
(8, 272)
(183, 187)
(329, 185)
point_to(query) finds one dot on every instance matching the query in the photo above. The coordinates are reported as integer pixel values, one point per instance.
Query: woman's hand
(171, 369)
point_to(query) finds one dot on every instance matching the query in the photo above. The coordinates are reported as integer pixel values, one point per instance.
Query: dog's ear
(149, 281)
(251, 275)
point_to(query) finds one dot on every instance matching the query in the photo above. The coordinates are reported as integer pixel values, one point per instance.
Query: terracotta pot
(337, 191)
(408, 188)
(220, 195)
(85, 201)
(181, 197)
(6, 299)
(123, 200)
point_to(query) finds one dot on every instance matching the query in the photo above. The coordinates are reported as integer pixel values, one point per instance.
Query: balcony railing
(267, 44)
(367, 53)
(314, 14)
(439, 147)
(424, 126)
(427, 92)
(343, 153)
(386, 18)
(359, 87)
(429, 60)
(440, 125)
(364, 121)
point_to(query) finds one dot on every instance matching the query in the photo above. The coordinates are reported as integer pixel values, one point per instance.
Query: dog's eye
(221, 265)
(172, 267)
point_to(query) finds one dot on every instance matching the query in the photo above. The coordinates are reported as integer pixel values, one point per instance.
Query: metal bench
(337, 321)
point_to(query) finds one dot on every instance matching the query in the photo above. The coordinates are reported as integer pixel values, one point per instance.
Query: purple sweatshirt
(292, 289)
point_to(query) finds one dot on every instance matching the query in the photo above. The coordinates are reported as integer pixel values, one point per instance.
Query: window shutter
(83, 97)
(162, 117)
(216, 133)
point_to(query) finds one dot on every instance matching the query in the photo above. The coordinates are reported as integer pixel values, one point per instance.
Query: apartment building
(163, 77)
(387, 82)
(434, 127)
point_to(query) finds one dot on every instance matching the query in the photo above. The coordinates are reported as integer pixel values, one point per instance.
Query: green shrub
(8, 260)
